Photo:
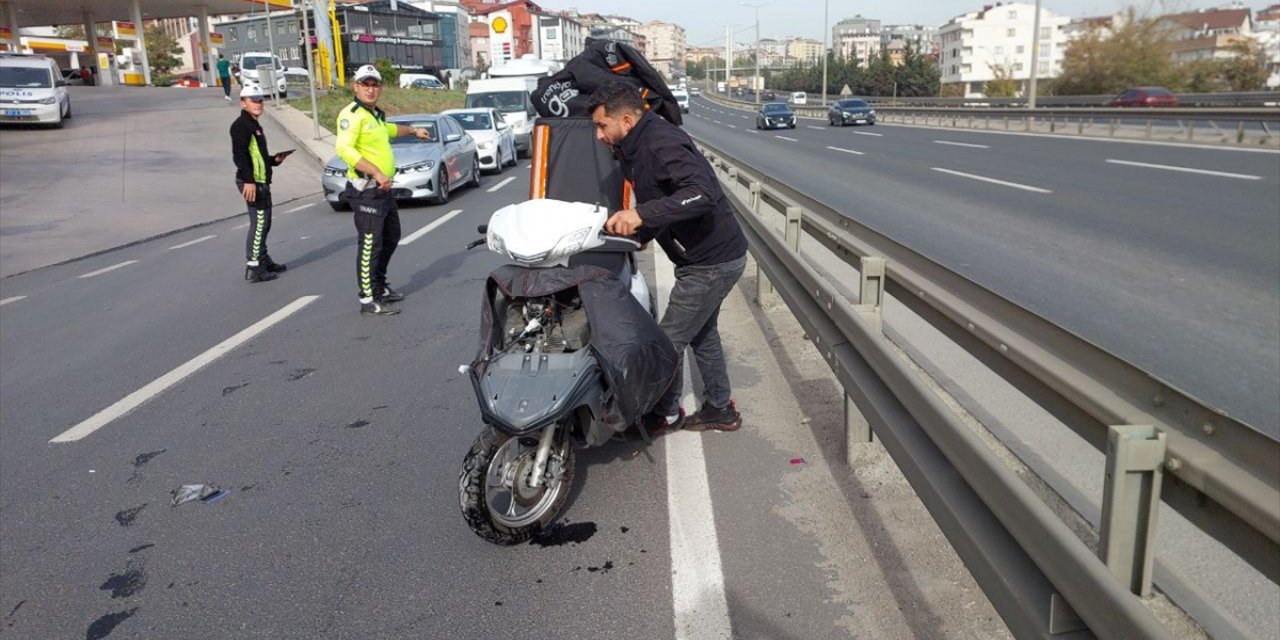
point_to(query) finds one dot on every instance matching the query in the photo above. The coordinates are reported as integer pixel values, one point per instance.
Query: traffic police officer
(253, 178)
(364, 143)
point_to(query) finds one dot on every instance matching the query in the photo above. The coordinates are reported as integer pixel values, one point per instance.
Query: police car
(32, 90)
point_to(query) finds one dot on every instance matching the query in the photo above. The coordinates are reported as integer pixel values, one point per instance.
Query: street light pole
(826, 33)
(1035, 59)
(756, 89)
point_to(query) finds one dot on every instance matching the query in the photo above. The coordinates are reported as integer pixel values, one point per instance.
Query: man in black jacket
(253, 179)
(682, 207)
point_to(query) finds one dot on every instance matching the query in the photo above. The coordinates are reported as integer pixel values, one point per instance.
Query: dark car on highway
(775, 115)
(1145, 97)
(850, 111)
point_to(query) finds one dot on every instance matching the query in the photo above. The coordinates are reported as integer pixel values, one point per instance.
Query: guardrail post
(1240, 133)
(871, 308)
(1130, 502)
(1080, 128)
(1026, 123)
(754, 197)
(1191, 130)
(1053, 124)
(732, 177)
(1148, 128)
(792, 234)
(766, 297)
(1006, 123)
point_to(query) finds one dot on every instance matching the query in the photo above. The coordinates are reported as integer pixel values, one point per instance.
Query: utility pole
(1035, 59)
(756, 89)
(728, 55)
(826, 33)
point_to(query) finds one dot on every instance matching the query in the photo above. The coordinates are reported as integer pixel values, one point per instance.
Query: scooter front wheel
(498, 500)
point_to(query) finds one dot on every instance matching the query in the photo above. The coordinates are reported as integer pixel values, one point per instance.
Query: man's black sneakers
(391, 295)
(258, 274)
(378, 308)
(272, 266)
(710, 418)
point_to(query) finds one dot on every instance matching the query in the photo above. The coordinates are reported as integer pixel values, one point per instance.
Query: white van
(32, 90)
(428, 81)
(799, 97)
(510, 96)
(682, 98)
(249, 63)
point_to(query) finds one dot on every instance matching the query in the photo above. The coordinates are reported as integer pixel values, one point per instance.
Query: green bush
(390, 74)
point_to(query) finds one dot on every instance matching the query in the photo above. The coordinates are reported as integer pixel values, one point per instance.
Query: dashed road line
(300, 208)
(500, 185)
(431, 227)
(868, 133)
(992, 180)
(961, 144)
(11, 299)
(164, 382)
(1207, 172)
(106, 269)
(856, 153)
(786, 138)
(191, 242)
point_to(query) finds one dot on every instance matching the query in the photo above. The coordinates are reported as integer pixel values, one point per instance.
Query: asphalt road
(1166, 255)
(339, 438)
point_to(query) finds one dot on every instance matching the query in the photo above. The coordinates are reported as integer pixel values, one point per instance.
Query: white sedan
(495, 141)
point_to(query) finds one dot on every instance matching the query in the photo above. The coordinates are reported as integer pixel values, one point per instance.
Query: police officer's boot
(258, 273)
(271, 265)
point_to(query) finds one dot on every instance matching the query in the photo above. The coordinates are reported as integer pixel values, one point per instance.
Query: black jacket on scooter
(567, 93)
(681, 202)
(636, 358)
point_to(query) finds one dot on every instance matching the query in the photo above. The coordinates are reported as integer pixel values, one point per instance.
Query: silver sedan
(425, 169)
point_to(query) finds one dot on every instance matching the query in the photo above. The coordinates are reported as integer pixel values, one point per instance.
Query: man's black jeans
(377, 219)
(691, 320)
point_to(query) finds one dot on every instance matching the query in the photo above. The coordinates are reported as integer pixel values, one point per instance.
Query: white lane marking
(786, 138)
(1223, 174)
(992, 180)
(868, 133)
(159, 385)
(856, 153)
(11, 299)
(501, 184)
(300, 208)
(733, 126)
(189, 243)
(106, 269)
(716, 121)
(529, 166)
(961, 144)
(751, 131)
(240, 226)
(809, 126)
(1059, 136)
(431, 227)
(697, 579)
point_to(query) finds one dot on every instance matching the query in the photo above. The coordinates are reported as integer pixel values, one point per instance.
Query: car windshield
(776, 108)
(505, 101)
(474, 121)
(1157, 92)
(25, 77)
(852, 103)
(253, 62)
(428, 125)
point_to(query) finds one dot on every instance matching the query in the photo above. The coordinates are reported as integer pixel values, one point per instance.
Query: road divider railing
(1240, 125)
(1160, 443)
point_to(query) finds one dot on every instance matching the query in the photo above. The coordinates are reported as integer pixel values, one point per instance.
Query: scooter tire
(471, 492)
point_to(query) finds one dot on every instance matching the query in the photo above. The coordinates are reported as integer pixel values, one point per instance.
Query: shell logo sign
(499, 25)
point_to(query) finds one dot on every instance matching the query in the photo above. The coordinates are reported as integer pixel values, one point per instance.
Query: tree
(1246, 70)
(1002, 85)
(387, 69)
(1137, 51)
(163, 52)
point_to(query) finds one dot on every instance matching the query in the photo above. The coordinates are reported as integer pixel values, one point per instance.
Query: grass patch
(396, 102)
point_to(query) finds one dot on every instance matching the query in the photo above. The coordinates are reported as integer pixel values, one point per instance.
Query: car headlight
(871, 112)
(49, 100)
(421, 167)
(485, 144)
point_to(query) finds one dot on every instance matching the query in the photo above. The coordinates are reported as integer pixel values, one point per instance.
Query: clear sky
(704, 20)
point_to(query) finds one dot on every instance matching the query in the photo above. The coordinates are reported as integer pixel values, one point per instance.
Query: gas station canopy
(40, 13)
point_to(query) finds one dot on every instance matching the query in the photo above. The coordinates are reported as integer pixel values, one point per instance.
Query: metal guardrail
(1067, 120)
(1225, 99)
(1223, 475)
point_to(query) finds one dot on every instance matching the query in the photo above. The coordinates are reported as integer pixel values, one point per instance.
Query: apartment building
(977, 45)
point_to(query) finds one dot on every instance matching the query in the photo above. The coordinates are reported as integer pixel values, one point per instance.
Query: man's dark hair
(616, 97)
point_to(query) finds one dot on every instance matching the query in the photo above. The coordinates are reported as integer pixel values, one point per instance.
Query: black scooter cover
(636, 358)
(568, 92)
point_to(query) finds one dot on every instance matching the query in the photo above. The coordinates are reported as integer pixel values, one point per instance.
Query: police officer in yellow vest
(364, 142)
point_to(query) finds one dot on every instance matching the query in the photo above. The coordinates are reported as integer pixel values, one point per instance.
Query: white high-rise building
(974, 46)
